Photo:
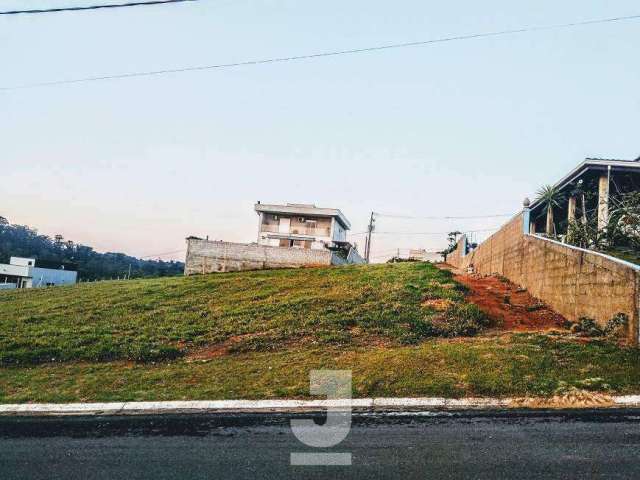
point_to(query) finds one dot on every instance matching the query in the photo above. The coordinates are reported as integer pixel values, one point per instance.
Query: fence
(573, 281)
(204, 256)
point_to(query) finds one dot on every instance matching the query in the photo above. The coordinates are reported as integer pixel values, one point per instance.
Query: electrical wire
(93, 7)
(435, 233)
(389, 215)
(324, 54)
(162, 254)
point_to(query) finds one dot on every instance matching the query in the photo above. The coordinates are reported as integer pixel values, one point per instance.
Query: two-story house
(289, 236)
(300, 226)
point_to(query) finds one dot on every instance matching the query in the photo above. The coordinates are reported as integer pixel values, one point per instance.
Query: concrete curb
(279, 406)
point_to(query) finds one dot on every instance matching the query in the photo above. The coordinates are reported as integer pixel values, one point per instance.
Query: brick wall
(204, 256)
(575, 282)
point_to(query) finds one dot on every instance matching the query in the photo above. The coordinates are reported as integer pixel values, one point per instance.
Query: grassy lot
(258, 334)
(147, 320)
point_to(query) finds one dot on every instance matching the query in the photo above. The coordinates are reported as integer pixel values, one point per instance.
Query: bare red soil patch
(511, 307)
(221, 349)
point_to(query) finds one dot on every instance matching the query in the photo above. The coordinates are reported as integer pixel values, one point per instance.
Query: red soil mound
(512, 308)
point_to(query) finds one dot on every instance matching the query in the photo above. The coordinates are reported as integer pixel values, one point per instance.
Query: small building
(300, 226)
(27, 273)
(423, 255)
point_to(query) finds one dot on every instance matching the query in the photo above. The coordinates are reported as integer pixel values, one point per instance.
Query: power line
(324, 54)
(162, 254)
(435, 233)
(93, 7)
(443, 218)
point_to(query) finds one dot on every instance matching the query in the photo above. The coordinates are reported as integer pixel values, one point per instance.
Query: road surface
(427, 445)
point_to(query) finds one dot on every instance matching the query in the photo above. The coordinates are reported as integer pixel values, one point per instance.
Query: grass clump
(614, 328)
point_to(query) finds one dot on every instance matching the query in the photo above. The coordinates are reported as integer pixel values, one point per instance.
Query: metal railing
(316, 232)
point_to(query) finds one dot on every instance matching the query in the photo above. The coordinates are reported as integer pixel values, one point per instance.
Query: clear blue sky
(462, 128)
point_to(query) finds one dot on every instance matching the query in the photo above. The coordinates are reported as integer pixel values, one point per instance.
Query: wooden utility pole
(370, 230)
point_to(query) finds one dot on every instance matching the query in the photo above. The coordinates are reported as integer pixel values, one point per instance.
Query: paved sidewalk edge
(285, 406)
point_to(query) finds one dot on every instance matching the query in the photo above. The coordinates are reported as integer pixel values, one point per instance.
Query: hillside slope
(258, 335)
(157, 319)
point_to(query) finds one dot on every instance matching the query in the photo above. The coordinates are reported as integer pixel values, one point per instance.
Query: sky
(451, 129)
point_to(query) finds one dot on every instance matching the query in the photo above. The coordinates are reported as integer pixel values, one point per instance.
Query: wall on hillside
(573, 281)
(204, 256)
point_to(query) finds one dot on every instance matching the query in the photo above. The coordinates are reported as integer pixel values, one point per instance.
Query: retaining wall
(573, 281)
(204, 256)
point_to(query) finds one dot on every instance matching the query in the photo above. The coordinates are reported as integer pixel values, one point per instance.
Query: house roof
(594, 164)
(304, 210)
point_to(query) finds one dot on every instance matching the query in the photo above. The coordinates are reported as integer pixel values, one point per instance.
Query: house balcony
(312, 232)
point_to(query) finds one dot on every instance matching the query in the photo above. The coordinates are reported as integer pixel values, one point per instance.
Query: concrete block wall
(573, 281)
(204, 256)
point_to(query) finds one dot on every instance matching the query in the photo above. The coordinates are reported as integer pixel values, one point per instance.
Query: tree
(22, 241)
(3, 221)
(550, 197)
(453, 244)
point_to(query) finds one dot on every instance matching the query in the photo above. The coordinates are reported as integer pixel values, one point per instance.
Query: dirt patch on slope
(510, 307)
(209, 352)
(572, 399)
(439, 304)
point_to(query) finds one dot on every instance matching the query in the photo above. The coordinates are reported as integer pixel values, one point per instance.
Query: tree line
(23, 241)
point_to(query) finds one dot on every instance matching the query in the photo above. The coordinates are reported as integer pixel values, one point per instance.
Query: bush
(617, 326)
(587, 327)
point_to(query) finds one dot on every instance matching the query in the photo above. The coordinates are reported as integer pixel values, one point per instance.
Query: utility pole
(129, 274)
(370, 231)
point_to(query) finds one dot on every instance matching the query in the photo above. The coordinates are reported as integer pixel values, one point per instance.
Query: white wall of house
(22, 262)
(338, 234)
(14, 271)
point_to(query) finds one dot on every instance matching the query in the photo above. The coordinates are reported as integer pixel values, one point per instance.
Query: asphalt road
(426, 446)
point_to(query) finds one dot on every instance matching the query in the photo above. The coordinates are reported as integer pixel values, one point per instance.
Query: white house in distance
(289, 236)
(300, 226)
(24, 273)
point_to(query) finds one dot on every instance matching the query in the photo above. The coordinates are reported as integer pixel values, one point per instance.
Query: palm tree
(549, 196)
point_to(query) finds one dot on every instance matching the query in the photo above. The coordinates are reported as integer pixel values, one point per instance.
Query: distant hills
(24, 241)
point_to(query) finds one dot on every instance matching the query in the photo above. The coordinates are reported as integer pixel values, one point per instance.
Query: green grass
(148, 340)
(150, 320)
(517, 365)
